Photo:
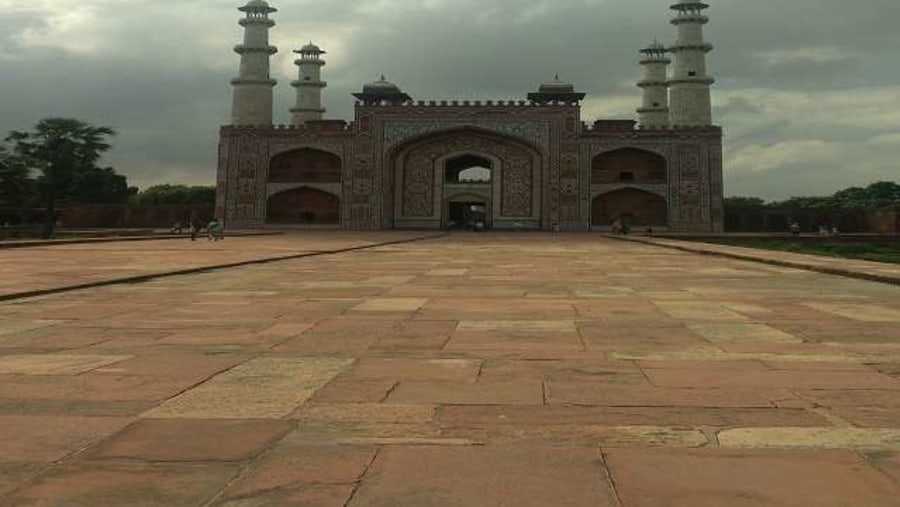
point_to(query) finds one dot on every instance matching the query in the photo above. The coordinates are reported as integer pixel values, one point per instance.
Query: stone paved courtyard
(470, 370)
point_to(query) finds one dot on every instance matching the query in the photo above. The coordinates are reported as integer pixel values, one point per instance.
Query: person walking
(214, 230)
(193, 230)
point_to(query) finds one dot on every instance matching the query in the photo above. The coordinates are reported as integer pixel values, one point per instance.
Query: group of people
(823, 230)
(215, 231)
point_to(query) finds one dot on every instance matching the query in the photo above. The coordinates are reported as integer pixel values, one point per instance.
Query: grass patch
(878, 251)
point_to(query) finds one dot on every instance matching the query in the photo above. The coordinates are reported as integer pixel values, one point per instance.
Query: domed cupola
(382, 91)
(310, 49)
(556, 91)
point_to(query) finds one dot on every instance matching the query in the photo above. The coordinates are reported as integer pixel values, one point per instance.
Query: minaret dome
(689, 87)
(654, 110)
(252, 104)
(309, 85)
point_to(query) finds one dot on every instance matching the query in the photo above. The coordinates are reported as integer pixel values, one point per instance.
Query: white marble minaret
(689, 99)
(253, 87)
(309, 85)
(654, 111)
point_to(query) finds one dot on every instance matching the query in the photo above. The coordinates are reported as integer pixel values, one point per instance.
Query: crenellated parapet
(313, 127)
(506, 104)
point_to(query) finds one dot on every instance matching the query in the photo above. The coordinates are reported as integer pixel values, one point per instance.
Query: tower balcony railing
(243, 48)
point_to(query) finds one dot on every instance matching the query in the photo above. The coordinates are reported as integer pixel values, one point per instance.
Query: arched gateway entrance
(305, 184)
(460, 177)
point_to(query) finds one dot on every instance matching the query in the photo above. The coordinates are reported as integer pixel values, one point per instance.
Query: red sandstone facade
(389, 169)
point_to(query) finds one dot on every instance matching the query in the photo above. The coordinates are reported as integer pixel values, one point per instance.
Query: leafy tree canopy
(60, 148)
(100, 185)
(16, 185)
(64, 153)
(744, 203)
(877, 195)
(176, 194)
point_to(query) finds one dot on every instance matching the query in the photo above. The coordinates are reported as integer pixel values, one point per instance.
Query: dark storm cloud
(790, 74)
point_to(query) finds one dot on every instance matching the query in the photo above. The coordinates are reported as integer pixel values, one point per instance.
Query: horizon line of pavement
(697, 248)
(34, 243)
(202, 269)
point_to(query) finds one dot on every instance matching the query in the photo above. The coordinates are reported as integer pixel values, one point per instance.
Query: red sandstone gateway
(404, 163)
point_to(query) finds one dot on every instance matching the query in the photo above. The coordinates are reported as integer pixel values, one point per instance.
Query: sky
(807, 90)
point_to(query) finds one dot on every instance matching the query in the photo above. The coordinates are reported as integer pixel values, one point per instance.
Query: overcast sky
(808, 90)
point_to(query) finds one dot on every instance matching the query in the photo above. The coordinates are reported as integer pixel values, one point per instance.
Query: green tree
(16, 185)
(60, 149)
(100, 186)
(876, 195)
(176, 194)
(744, 203)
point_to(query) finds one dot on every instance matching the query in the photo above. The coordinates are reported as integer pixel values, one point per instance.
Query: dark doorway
(304, 206)
(467, 215)
(638, 207)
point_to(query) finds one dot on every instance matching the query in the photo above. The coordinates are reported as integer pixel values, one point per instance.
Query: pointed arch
(460, 130)
(305, 165)
(629, 165)
(419, 168)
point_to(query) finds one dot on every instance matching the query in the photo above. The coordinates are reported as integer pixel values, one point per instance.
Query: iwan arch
(527, 164)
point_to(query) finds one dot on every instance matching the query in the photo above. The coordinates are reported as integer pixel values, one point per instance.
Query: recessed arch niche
(629, 165)
(305, 165)
(303, 206)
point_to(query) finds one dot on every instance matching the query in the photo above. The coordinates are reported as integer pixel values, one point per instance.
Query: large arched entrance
(450, 177)
(468, 192)
(633, 206)
(628, 165)
(303, 206)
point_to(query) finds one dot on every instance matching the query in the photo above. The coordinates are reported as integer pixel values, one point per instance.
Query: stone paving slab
(113, 485)
(45, 439)
(476, 369)
(55, 364)
(821, 438)
(714, 477)
(173, 440)
(501, 475)
(300, 467)
(259, 389)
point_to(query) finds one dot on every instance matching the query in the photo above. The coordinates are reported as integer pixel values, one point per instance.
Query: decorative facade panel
(392, 170)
